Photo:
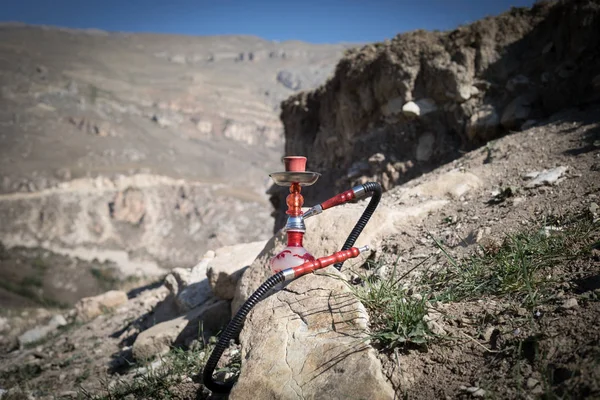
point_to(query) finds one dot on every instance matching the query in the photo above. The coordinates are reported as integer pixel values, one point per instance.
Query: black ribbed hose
(232, 330)
(370, 187)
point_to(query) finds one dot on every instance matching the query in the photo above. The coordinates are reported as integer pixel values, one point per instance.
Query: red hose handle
(339, 199)
(323, 262)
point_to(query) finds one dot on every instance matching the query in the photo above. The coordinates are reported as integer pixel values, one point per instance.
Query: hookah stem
(370, 187)
(230, 332)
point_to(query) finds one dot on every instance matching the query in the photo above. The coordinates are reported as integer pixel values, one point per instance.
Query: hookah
(294, 260)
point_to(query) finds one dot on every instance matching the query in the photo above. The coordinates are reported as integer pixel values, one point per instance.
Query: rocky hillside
(143, 150)
(530, 201)
(483, 278)
(397, 109)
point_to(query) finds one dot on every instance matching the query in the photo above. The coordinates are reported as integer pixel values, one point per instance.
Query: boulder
(159, 339)
(226, 268)
(89, 308)
(189, 286)
(417, 108)
(310, 341)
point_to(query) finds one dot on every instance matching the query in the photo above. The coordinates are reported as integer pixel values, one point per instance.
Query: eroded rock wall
(396, 109)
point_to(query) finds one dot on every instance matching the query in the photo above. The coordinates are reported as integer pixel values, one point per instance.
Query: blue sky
(308, 20)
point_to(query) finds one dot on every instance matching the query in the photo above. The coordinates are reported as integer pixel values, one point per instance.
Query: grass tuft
(520, 269)
(397, 318)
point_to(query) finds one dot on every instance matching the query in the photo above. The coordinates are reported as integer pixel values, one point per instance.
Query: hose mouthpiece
(363, 249)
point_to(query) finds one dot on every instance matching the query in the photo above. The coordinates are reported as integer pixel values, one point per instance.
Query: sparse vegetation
(521, 268)
(173, 376)
(397, 319)
(519, 271)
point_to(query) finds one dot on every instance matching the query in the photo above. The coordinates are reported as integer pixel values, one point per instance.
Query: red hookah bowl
(295, 163)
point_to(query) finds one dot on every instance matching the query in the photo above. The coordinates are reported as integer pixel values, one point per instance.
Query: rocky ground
(489, 345)
(482, 281)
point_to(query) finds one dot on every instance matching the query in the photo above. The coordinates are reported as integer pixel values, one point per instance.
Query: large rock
(159, 339)
(189, 286)
(228, 265)
(90, 307)
(309, 341)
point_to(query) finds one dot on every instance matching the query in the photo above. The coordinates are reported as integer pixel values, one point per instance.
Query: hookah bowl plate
(306, 178)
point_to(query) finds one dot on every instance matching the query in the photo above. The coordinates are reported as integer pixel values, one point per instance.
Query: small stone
(425, 147)
(489, 332)
(90, 307)
(411, 109)
(570, 303)
(531, 383)
(548, 177)
(475, 391)
(58, 320)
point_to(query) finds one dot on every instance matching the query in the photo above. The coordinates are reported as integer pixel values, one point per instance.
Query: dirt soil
(497, 348)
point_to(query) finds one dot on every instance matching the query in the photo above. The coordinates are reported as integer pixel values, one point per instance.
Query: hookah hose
(231, 330)
(235, 324)
(369, 187)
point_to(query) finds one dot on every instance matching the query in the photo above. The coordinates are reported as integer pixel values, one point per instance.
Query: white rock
(58, 320)
(419, 108)
(570, 303)
(411, 109)
(548, 177)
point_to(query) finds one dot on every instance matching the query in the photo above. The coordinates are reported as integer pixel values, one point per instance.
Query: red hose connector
(338, 199)
(323, 262)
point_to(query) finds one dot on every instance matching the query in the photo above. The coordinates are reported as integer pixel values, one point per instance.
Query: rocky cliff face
(396, 109)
